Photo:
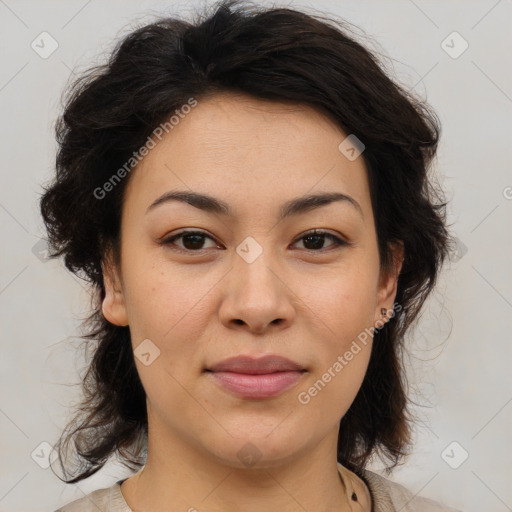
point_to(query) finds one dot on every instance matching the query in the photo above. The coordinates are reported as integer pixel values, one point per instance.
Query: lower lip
(257, 386)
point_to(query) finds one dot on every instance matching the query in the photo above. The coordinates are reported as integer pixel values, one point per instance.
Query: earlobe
(113, 306)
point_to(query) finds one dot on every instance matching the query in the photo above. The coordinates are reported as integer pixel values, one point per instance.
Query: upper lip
(256, 366)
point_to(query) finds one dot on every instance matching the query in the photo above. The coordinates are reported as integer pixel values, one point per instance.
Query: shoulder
(109, 499)
(390, 496)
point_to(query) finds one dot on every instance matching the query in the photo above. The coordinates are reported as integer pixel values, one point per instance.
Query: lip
(259, 378)
(256, 366)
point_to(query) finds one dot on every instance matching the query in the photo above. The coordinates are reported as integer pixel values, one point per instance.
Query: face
(252, 280)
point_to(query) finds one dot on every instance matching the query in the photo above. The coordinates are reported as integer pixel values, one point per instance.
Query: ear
(387, 288)
(113, 306)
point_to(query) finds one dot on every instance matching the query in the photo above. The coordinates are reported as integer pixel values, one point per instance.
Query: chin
(256, 451)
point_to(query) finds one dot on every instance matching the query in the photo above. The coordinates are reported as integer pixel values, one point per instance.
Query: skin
(201, 307)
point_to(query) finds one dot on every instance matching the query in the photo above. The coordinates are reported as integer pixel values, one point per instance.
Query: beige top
(369, 492)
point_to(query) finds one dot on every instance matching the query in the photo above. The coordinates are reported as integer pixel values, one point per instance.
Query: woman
(249, 198)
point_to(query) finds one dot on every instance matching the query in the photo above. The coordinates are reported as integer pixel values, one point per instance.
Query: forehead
(254, 151)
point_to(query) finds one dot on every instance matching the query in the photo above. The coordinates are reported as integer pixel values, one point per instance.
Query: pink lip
(256, 378)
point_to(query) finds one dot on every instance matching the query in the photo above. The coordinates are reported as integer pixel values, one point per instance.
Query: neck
(178, 477)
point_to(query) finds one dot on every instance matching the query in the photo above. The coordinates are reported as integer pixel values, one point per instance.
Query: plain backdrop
(460, 350)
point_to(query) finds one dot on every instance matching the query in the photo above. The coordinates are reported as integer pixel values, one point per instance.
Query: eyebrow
(293, 207)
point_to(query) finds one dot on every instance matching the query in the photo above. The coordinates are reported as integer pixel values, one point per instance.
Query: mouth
(261, 378)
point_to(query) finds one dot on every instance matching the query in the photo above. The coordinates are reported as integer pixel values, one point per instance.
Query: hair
(275, 54)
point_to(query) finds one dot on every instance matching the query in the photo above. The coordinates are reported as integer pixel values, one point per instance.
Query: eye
(192, 240)
(315, 240)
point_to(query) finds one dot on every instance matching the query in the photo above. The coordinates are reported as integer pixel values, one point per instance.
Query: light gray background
(461, 349)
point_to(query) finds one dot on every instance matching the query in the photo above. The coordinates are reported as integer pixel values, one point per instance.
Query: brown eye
(314, 240)
(192, 241)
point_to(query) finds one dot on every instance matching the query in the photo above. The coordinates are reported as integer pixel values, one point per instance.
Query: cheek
(171, 308)
(343, 308)
(342, 356)
(344, 301)
(157, 296)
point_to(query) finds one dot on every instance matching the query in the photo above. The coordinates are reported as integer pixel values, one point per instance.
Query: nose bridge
(254, 266)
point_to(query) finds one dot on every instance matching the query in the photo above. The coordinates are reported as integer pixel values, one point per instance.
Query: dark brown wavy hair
(276, 54)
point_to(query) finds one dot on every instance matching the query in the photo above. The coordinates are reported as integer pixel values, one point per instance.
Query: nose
(256, 297)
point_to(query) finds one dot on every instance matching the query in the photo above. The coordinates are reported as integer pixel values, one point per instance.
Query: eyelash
(338, 242)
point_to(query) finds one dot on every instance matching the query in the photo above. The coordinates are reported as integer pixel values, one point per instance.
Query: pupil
(318, 238)
(196, 243)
